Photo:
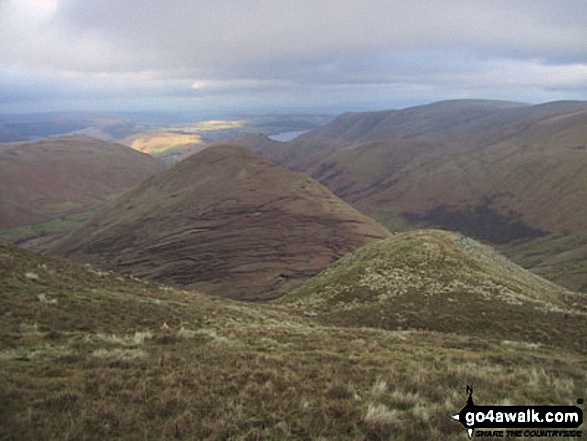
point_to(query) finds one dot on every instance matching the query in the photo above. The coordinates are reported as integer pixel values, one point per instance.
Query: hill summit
(439, 281)
(224, 221)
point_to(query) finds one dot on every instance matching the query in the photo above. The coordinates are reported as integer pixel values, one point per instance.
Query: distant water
(287, 136)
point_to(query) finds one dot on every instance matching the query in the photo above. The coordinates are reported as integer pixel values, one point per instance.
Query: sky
(286, 55)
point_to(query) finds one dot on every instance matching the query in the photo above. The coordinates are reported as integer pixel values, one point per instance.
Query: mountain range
(506, 173)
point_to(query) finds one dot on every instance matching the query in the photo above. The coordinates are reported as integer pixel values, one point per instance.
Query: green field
(51, 229)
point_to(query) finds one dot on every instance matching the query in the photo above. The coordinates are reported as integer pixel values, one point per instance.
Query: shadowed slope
(224, 221)
(441, 281)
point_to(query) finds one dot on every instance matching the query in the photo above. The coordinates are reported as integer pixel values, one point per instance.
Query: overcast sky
(282, 55)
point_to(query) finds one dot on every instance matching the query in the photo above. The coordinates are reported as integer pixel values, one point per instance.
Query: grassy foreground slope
(87, 354)
(444, 282)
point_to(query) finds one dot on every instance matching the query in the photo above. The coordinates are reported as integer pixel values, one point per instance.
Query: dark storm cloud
(299, 51)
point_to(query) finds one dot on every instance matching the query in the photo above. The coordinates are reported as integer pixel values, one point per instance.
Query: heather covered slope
(440, 281)
(224, 221)
(55, 177)
(88, 354)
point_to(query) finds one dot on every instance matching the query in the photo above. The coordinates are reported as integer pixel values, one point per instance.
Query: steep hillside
(88, 354)
(55, 177)
(561, 258)
(489, 166)
(224, 221)
(500, 172)
(439, 281)
(520, 187)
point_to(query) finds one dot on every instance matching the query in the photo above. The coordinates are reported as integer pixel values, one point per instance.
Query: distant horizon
(192, 115)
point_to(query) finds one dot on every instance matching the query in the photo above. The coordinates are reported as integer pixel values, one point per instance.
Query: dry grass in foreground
(85, 354)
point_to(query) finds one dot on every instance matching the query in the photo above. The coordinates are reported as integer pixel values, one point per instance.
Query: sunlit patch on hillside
(215, 125)
(156, 143)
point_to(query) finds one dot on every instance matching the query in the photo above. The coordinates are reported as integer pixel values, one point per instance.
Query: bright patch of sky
(261, 55)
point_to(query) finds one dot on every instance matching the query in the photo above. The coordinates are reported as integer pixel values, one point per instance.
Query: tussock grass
(380, 414)
(439, 281)
(136, 339)
(43, 299)
(119, 354)
(100, 365)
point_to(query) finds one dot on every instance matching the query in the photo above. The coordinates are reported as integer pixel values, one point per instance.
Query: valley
(496, 171)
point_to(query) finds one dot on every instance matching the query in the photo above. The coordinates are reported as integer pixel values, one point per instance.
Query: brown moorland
(505, 173)
(89, 354)
(60, 176)
(224, 221)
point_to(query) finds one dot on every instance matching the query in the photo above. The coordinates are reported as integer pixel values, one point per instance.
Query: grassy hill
(224, 221)
(440, 281)
(89, 354)
(56, 178)
(30, 127)
(497, 171)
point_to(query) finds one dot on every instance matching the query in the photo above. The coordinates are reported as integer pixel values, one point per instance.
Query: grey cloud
(203, 34)
(303, 51)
